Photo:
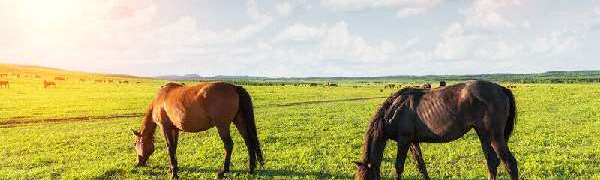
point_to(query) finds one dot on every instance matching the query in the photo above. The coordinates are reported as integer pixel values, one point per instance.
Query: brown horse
(199, 108)
(412, 115)
(4, 84)
(49, 83)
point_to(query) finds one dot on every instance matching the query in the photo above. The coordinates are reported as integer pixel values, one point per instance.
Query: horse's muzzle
(141, 161)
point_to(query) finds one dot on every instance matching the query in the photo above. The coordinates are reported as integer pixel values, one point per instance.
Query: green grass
(77, 130)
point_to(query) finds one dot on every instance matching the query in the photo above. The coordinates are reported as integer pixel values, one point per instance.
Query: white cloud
(409, 12)
(337, 42)
(255, 13)
(487, 13)
(403, 8)
(555, 43)
(484, 34)
(458, 44)
(300, 32)
(454, 44)
(284, 8)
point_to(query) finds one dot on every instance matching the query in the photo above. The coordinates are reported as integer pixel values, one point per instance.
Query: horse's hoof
(221, 173)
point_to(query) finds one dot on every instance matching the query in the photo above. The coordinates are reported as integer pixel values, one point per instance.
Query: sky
(301, 38)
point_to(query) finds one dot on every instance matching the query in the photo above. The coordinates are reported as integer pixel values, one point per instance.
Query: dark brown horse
(412, 115)
(442, 83)
(199, 108)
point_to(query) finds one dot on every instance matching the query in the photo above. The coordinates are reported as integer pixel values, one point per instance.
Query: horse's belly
(194, 126)
(192, 123)
(443, 130)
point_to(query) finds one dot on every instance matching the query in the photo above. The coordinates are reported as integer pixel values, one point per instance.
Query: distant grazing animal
(123, 82)
(99, 81)
(426, 86)
(442, 83)
(3, 75)
(49, 83)
(313, 84)
(4, 84)
(59, 78)
(198, 108)
(412, 116)
(138, 82)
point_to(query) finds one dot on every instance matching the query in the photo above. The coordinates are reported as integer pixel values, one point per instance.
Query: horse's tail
(376, 128)
(512, 114)
(247, 112)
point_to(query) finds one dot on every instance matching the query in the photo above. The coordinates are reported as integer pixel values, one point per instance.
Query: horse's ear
(136, 133)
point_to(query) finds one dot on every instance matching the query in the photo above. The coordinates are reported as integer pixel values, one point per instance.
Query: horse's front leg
(403, 145)
(418, 156)
(172, 135)
(228, 144)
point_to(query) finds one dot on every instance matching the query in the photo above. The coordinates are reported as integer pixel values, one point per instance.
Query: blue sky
(281, 38)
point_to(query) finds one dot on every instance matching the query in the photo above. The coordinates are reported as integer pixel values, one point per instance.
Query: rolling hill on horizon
(48, 72)
(592, 76)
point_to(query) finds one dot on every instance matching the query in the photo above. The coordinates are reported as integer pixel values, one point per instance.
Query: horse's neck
(373, 151)
(148, 127)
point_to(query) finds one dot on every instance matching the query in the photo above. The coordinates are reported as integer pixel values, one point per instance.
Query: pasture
(81, 129)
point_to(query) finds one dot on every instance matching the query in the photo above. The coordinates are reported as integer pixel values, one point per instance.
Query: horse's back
(202, 106)
(446, 113)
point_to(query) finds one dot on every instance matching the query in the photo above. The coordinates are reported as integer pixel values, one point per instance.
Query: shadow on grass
(111, 174)
(266, 173)
(259, 174)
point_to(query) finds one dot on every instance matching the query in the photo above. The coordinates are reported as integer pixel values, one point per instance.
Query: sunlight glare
(50, 13)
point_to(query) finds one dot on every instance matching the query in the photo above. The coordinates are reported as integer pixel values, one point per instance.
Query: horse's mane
(376, 126)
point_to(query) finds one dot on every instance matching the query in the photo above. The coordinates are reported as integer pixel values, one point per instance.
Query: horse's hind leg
(507, 157)
(240, 124)
(228, 143)
(488, 151)
(415, 150)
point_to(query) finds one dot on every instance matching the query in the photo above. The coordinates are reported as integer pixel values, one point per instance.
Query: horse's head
(364, 171)
(144, 147)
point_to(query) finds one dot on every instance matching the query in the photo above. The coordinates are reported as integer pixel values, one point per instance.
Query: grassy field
(82, 130)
